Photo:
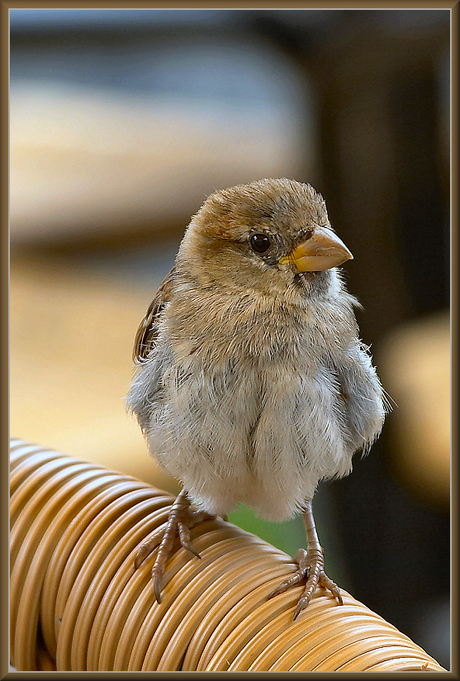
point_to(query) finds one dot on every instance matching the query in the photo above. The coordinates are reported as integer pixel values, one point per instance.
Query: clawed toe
(180, 520)
(184, 538)
(157, 575)
(311, 569)
(146, 548)
(331, 586)
(315, 580)
(296, 578)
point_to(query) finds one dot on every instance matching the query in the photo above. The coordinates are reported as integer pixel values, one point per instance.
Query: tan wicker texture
(77, 603)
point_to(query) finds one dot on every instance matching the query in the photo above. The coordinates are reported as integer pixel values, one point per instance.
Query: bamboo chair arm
(78, 604)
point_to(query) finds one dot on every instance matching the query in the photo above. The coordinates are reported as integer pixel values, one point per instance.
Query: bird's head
(265, 235)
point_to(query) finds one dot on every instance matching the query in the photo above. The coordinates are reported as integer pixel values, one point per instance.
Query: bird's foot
(311, 569)
(180, 521)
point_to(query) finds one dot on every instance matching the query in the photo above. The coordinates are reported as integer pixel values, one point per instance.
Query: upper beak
(321, 251)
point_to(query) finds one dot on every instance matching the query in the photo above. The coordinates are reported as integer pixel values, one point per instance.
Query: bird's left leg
(180, 521)
(311, 567)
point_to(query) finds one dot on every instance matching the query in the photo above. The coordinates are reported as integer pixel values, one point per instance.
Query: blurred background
(123, 121)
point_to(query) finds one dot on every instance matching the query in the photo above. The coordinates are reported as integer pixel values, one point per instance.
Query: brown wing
(148, 328)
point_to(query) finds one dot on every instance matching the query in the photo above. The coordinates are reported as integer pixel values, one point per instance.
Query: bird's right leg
(311, 567)
(180, 521)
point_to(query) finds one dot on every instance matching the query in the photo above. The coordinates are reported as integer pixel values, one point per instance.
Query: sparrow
(251, 382)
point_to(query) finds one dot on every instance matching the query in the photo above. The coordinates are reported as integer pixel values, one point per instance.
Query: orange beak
(321, 251)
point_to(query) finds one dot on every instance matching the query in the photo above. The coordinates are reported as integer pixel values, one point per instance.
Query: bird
(251, 383)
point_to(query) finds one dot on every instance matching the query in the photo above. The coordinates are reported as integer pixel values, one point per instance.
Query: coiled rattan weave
(77, 603)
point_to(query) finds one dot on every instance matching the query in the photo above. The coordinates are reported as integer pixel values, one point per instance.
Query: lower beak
(321, 251)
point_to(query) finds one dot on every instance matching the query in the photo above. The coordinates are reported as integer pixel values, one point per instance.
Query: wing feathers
(148, 328)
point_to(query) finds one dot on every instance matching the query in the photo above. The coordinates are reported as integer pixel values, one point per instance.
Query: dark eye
(259, 243)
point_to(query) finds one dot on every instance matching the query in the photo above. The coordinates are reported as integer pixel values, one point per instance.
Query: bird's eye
(259, 243)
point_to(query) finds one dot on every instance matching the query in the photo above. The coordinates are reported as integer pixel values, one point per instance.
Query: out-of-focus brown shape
(415, 369)
(87, 164)
(71, 337)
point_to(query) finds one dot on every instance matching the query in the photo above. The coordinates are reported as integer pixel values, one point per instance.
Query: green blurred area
(290, 535)
(287, 536)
